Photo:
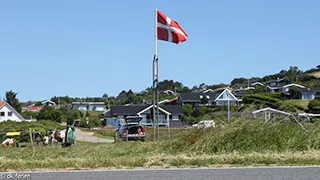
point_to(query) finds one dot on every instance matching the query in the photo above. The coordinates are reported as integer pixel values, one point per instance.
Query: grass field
(240, 143)
(317, 74)
(302, 103)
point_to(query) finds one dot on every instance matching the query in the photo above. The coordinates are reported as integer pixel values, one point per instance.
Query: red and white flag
(169, 30)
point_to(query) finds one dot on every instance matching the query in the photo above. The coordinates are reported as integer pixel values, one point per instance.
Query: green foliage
(68, 100)
(59, 115)
(293, 93)
(238, 81)
(11, 98)
(199, 111)
(266, 101)
(49, 113)
(314, 106)
(276, 95)
(187, 109)
(204, 100)
(30, 113)
(72, 115)
(169, 85)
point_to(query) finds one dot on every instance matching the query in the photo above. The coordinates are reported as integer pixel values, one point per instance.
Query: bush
(266, 101)
(314, 106)
(50, 113)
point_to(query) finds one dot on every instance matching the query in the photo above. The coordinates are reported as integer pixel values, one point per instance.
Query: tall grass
(247, 136)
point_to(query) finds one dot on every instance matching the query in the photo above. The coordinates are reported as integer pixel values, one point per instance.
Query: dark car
(130, 129)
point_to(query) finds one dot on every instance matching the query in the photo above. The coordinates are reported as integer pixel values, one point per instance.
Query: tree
(11, 98)
(238, 81)
(314, 106)
(199, 111)
(294, 92)
(105, 96)
(49, 113)
(187, 109)
(204, 100)
(72, 115)
(318, 67)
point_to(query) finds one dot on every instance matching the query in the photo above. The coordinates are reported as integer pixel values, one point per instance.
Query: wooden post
(31, 137)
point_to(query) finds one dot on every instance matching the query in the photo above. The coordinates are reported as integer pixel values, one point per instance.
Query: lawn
(302, 103)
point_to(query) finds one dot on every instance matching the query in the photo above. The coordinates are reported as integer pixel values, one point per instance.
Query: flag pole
(157, 69)
(155, 76)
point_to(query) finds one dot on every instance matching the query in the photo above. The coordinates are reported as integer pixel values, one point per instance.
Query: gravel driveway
(88, 137)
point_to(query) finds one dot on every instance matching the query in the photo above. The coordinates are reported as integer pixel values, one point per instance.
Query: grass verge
(240, 143)
(136, 154)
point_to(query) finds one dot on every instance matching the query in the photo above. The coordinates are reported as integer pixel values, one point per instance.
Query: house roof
(270, 109)
(257, 83)
(3, 103)
(309, 90)
(89, 103)
(48, 101)
(297, 85)
(32, 108)
(135, 109)
(127, 110)
(196, 97)
(275, 80)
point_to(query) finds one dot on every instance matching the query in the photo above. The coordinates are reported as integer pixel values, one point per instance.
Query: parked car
(204, 124)
(130, 129)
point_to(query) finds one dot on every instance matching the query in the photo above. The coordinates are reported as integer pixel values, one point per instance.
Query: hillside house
(89, 106)
(218, 97)
(48, 103)
(169, 115)
(310, 93)
(31, 108)
(7, 112)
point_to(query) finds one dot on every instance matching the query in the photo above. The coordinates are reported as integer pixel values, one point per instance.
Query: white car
(205, 124)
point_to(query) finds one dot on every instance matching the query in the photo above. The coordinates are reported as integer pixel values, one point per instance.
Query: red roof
(2, 103)
(32, 108)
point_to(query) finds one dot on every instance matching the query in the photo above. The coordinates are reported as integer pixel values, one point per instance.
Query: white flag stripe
(168, 20)
(173, 29)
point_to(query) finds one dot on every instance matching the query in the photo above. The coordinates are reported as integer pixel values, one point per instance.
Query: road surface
(88, 137)
(262, 173)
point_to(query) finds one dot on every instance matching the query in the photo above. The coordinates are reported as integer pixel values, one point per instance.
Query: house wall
(85, 107)
(306, 96)
(225, 102)
(6, 116)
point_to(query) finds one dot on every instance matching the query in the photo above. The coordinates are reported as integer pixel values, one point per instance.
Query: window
(2, 114)
(10, 113)
(175, 118)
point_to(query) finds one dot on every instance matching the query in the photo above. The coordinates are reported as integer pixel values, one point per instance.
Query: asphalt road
(264, 173)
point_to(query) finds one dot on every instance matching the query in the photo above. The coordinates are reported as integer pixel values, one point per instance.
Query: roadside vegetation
(242, 142)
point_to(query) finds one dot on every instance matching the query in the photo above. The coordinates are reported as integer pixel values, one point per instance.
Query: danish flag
(169, 30)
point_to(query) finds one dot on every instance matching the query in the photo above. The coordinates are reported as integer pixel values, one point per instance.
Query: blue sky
(86, 48)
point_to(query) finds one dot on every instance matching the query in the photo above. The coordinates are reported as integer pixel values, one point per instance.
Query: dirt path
(88, 137)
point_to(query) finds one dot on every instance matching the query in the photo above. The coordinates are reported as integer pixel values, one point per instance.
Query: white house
(217, 97)
(48, 103)
(8, 113)
(89, 106)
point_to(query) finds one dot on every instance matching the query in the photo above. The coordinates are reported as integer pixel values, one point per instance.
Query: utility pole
(228, 107)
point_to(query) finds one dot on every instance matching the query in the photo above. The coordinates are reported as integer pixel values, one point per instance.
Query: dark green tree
(204, 100)
(11, 98)
(187, 109)
(49, 113)
(314, 106)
